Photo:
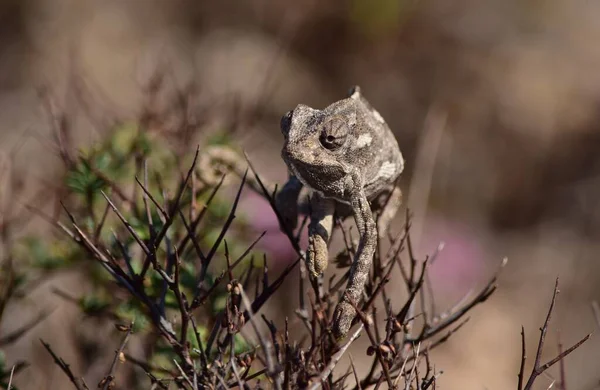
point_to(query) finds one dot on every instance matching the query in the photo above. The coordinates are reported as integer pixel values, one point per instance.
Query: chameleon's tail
(216, 161)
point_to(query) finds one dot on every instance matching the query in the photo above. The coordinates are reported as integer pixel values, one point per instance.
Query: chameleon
(348, 159)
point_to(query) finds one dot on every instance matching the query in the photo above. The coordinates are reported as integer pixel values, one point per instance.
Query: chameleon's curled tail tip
(216, 161)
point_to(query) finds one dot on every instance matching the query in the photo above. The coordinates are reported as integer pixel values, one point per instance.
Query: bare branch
(109, 378)
(336, 358)
(539, 368)
(79, 383)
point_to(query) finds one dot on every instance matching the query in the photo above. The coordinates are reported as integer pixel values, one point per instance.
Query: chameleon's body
(349, 159)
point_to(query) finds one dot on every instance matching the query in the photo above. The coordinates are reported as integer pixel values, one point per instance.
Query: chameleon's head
(317, 143)
(342, 148)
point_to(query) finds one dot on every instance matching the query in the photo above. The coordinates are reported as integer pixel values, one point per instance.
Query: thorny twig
(336, 358)
(12, 372)
(109, 378)
(538, 367)
(79, 383)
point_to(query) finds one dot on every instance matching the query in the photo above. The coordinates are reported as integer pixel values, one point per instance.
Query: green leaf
(82, 180)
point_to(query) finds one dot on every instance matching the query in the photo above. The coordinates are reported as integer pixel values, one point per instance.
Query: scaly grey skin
(347, 160)
(347, 155)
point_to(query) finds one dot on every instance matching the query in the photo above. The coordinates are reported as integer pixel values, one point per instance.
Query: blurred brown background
(496, 106)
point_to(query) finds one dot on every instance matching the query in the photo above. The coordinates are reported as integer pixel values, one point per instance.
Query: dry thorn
(108, 379)
(539, 368)
(596, 310)
(79, 383)
(224, 229)
(265, 345)
(336, 358)
(12, 372)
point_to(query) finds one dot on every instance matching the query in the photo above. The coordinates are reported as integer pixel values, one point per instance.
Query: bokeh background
(495, 104)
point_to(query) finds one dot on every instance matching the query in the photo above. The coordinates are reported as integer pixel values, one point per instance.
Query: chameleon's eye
(286, 122)
(334, 134)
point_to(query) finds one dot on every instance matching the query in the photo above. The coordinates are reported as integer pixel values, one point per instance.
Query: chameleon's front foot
(319, 233)
(342, 319)
(318, 254)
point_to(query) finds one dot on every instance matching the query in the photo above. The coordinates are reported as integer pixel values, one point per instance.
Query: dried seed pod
(384, 349)
(320, 315)
(248, 359)
(392, 349)
(122, 327)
